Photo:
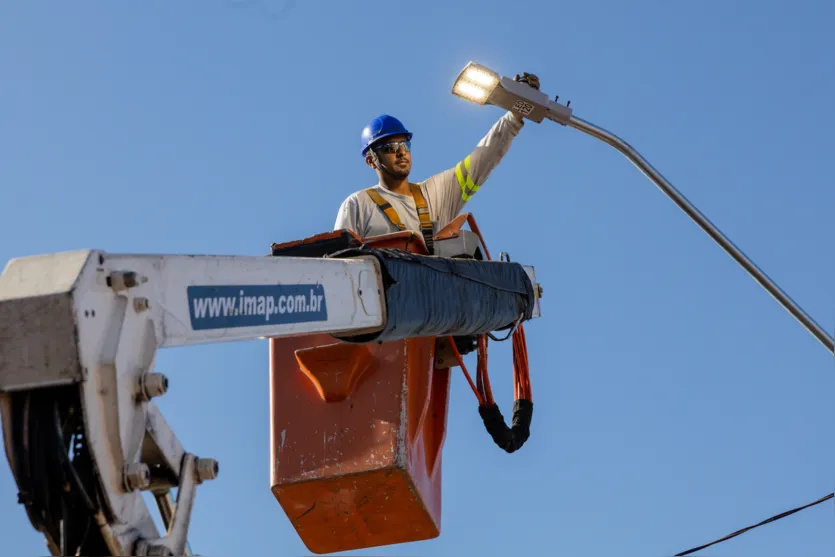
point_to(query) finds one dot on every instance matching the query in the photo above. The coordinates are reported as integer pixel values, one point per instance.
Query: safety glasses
(394, 146)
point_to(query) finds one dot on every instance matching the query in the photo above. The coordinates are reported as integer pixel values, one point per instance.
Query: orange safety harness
(426, 228)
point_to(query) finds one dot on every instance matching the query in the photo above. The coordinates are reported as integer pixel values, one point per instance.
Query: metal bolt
(153, 384)
(137, 476)
(141, 304)
(146, 548)
(538, 290)
(207, 469)
(122, 280)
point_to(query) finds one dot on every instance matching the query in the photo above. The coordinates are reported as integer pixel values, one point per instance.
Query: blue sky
(675, 400)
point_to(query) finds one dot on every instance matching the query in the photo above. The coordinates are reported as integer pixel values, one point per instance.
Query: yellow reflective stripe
(468, 187)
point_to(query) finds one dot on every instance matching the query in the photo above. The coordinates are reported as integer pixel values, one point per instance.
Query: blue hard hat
(381, 127)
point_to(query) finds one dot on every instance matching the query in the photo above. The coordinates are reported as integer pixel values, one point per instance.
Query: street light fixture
(481, 85)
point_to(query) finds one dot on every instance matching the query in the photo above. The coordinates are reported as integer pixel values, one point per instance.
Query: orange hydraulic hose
(521, 372)
(466, 373)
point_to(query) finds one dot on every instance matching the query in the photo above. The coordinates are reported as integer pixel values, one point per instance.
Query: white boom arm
(96, 319)
(79, 332)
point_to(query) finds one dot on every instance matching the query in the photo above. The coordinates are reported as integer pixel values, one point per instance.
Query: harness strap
(426, 228)
(386, 207)
(423, 213)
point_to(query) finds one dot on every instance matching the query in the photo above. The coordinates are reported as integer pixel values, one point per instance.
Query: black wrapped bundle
(511, 438)
(436, 296)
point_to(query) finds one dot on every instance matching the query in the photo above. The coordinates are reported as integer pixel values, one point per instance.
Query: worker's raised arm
(473, 171)
(449, 191)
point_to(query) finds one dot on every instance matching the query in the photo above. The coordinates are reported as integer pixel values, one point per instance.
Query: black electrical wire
(58, 492)
(768, 520)
(61, 451)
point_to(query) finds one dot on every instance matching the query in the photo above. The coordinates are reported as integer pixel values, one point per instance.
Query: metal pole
(665, 186)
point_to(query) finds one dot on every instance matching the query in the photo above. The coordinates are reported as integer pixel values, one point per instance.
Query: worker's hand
(532, 81)
(528, 78)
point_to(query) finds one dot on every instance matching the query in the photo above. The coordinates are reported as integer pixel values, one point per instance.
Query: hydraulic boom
(79, 332)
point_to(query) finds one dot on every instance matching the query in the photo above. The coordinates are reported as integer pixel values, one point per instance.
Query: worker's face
(395, 154)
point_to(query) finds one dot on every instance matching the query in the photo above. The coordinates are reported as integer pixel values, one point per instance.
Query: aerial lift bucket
(357, 429)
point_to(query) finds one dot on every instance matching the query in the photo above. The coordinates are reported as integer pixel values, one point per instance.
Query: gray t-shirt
(446, 193)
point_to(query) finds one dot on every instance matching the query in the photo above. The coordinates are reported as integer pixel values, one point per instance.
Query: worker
(395, 204)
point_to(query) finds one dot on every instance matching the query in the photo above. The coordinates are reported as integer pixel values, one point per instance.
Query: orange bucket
(356, 434)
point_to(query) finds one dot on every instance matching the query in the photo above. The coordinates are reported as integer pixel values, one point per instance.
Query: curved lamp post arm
(644, 166)
(481, 85)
